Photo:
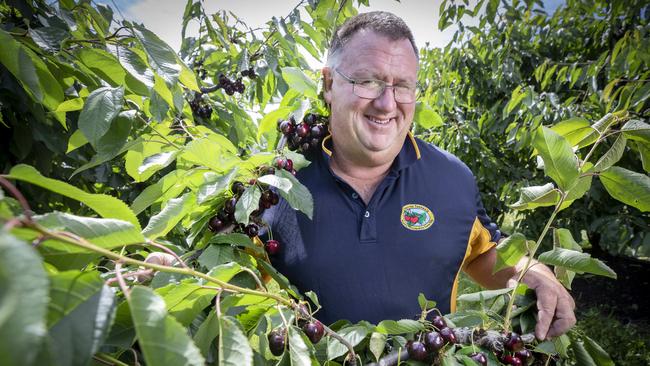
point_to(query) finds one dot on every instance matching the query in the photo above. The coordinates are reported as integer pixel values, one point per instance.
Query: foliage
(124, 150)
(512, 68)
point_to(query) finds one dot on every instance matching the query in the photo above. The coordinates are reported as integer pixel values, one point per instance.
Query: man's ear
(327, 84)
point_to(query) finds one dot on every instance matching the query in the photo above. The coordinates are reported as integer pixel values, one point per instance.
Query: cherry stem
(217, 304)
(19, 196)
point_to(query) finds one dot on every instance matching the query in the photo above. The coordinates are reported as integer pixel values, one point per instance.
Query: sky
(164, 17)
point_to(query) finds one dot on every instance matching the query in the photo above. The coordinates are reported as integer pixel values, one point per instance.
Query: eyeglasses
(372, 89)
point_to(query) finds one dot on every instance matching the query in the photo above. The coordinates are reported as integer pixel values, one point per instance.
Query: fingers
(159, 258)
(546, 304)
(564, 317)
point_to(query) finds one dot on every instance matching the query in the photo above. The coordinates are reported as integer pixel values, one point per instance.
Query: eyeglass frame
(355, 82)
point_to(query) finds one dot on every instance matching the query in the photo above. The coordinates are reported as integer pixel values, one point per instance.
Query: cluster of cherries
(250, 73)
(277, 338)
(229, 86)
(432, 342)
(225, 217)
(304, 135)
(199, 107)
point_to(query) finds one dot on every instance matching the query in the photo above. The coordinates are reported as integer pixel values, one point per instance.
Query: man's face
(365, 131)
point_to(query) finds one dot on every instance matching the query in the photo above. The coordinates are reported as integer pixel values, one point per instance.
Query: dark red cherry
(511, 360)
(314, 331)
(272, 247)
(289, 165)
(439, 322)
(514, 342)
(479, 357)
(416, 350)
(448, 335)
(237, 187)
(230, 205)
(524, 355)
(277, 341)
(215, 224)
(251, 230)
(302, 130)
(286, 127)
(433, 341)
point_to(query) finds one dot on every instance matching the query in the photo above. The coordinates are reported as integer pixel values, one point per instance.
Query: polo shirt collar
(409, 154)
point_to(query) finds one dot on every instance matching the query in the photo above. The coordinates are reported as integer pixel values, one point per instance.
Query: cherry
(272, 247)
(438, 321)
(230, 205)
(416, 350)
(433, 341)
(277, 342)
(289, 165)
(216, 224)
(448, 335)
(524, 355)
(280, 162)
(314, 331)
(237, 187)
(479, 357)
(302, 130)
(317, 131)
(309, 119)
(251, 230)
(514, 342)
(511, 360)
(286, 127)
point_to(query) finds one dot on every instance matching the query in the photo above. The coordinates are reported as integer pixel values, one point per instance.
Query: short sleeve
(485, 234)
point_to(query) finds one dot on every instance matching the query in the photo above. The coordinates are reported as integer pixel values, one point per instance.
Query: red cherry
(277, 341)
(479, 357)
(524, 355)
(314, 331)
(437, 321)
(272, 247)
(514, 342)
(302, 130)
(433, 341)
(289, 165)
(511, 360)
(448, 335)
(416, 350)
(280, 162)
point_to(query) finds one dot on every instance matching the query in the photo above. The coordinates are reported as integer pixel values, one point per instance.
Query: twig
(19, 196)
(217, 305)
(135, 274)
(257, 279)
(120, 280)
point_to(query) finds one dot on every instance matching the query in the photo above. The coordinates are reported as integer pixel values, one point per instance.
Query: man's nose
(386, 100)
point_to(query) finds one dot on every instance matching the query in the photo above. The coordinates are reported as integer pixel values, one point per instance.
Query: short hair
(382, 22)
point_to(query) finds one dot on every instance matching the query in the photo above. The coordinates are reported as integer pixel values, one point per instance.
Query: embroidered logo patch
(416, 217)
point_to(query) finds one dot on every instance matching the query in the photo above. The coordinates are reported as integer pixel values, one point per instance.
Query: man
(393, 216)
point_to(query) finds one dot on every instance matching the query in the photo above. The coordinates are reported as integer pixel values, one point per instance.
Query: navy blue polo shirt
(369, 262)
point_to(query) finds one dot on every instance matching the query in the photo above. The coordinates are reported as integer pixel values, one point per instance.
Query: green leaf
(576, 261)
(215, 255)
(582, 356)
(629, 187)
(100, 109)
(211, 154)
(30, 70)
(162, 339)
(207, 332)
(537, 196)
(612, 156)
(165, 220)
(599, 128)
(104, 205)
(247, 203)
(515, 98)
(426, 117)
(644, 154)
(279, 278)
(424, 303)
(233, 346)
(560, 163)
(268, 124)
(353, 334)
(637, 130)
(377, 344)
(225, 272)
(399, 327)
(185, 301)
(157, 190)
(280, 183)
(562, 238)
(23, 301)
(597, 353)
(579, 189)
(76, 141)
(299, 351)
(161, 57)
(298, 196)
(237, 239)
(82, 309)
(105, 233)
(214, 185)
(484, 295)
(574, 129)
(298, 81)
(510, 251)
(102, 63)
(136, 66)
(154, 163)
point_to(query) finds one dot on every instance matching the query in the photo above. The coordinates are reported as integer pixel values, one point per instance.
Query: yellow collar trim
(410, 135)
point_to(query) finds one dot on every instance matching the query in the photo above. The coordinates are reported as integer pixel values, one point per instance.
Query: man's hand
(554, 303)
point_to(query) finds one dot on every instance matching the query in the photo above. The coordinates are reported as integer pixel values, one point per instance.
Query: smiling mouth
(378, 121)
